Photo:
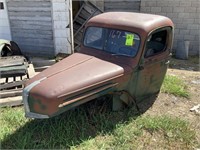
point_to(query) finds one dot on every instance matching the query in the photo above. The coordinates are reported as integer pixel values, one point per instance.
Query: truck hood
(76, 73)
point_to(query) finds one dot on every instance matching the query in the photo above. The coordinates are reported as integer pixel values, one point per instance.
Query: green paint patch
(174, 85)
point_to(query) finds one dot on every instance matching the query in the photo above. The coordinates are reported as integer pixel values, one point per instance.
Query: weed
(174, 85)
(194, 59)
(172, 128)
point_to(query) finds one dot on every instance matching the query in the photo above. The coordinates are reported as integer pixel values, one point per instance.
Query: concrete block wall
(184, 14)
(98, 3)
(60, 13)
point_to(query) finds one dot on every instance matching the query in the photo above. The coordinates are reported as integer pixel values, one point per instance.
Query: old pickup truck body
(123, 54)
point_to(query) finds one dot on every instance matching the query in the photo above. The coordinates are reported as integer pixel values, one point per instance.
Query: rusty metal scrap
(101, 67)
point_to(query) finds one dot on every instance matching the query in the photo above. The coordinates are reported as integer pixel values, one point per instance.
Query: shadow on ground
(191, 64)
(72, 127)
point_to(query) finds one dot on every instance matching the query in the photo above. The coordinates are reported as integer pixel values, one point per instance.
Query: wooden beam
(10, 93)
(11, 84)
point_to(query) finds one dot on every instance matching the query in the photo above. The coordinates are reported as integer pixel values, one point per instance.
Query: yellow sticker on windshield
(129, 40)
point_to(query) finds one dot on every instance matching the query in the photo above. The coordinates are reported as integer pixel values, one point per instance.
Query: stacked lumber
(14, 71)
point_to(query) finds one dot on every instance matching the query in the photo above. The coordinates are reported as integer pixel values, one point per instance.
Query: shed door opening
(82, 12)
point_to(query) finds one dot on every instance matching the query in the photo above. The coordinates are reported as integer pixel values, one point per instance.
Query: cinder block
(196, 4)
(145, 9)
(189, 37)
(178, 9)
(174, 3)
(172, 15)
(185, 3)
(188, 21)
(197, 37)
(176, 31)
(190, 9)
(178, 20)
(155, 9)
(142, 4)
(181, 26)
(175, 44)
(167, 9)
(194, 15)
(194, 42)
(183, 31)
(184, 15)
(151, 4)
(197, 21)
(162, 3)
(193, 26)
(198, 9)
(163, 14)
(195, 50)
(178, 36)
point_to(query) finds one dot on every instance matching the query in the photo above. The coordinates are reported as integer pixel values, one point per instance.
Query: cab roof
(135, 22)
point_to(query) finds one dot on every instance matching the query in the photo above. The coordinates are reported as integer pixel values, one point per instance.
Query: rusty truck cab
(123, 54)
(141, 43)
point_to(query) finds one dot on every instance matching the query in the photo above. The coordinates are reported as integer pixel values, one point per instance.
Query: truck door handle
(167, 63)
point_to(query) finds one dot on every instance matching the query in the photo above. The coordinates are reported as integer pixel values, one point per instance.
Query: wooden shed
(48, 27)
(40, 27)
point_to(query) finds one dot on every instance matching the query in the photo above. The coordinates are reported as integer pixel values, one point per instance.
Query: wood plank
(40, 53)
(29, 4)
(12, 84)
(34, 9)
(37, 49)
(28, 26)
(31, 26)
(30, 22)
(31, 71)
(26, 31)
(39, 18)
(10, 93)
(32, 36)
(30, 13)
(11, 101)
(41, 42)
(27, 0)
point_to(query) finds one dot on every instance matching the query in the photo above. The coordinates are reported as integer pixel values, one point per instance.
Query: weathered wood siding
(31, 26)
(122, 5)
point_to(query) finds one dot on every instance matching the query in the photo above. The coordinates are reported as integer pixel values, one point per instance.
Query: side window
(156, 43)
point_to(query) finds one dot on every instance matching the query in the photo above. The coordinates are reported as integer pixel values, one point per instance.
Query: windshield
(114, 41)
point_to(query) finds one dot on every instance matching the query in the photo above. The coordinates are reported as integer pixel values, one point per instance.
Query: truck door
(154, 62)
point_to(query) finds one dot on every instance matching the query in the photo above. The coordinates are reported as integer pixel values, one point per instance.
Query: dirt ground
(167, 104)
